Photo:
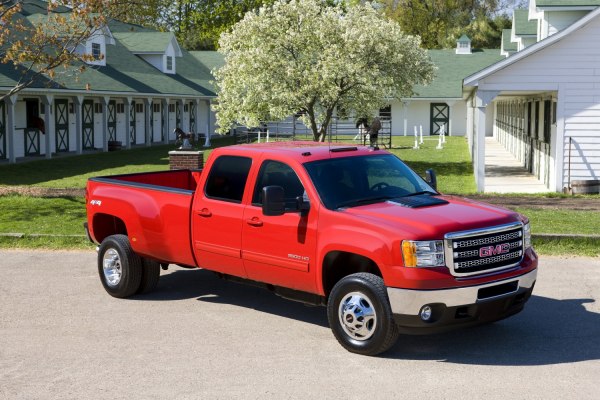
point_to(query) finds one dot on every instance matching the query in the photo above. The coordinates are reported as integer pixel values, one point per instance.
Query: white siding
(559, 20)
(156, 60)
(418, 113)
(570, 66)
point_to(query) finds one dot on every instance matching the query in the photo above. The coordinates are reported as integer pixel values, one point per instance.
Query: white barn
(544, 101)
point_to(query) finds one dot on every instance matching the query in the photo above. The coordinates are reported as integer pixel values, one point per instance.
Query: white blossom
(306, 56)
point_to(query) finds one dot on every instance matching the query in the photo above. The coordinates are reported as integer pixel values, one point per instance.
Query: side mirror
(431, 178)
(273, 201)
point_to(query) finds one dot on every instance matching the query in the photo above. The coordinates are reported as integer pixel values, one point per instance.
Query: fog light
(425, 313)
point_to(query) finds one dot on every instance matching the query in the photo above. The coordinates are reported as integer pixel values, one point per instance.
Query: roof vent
(463, 45)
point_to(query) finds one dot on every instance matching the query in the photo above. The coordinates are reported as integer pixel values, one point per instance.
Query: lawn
(74, 171)
(61, 217)
(64, 215)
(452, 164)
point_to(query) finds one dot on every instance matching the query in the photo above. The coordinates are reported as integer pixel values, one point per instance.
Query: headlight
(427, 253)
(527, 235)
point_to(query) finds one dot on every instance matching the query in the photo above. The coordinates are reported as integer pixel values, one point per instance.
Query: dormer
(95, 46)
(159, 49)
(508, 47)
(555, 15)
(463, 45)
(523, 31)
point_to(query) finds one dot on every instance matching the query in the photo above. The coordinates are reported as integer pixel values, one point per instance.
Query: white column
(77, 102)
(10, 102)
(208, 132)
(479, 149)
(48, 101)
(450, 105)
(560, 166)
(405, 116)
(105, 100)
(147, 125)
(484, 97)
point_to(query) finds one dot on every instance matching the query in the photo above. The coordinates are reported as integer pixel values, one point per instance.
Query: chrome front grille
(485, 250)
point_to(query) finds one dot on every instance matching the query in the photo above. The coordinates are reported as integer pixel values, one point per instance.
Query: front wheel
(360, 315)
(119, 267)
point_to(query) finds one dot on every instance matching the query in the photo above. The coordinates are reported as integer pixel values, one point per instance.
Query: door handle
(254, 222)
(205, 212)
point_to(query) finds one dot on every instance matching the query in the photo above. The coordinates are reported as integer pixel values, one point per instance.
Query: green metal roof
(125, 72)
(145, 42)
(452, 69)
(507, 45)
(522, 25)
(210, 59)
(567, 3)
(464, 38)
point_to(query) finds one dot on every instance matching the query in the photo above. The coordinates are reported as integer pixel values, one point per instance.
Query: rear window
(227, 178)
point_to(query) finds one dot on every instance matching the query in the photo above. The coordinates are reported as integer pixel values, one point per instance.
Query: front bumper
(462, 306)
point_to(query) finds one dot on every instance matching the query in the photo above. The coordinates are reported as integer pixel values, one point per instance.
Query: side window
(274, 173)
(227, 178)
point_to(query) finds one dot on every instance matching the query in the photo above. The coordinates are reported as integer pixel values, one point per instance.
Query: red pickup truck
(352, 228)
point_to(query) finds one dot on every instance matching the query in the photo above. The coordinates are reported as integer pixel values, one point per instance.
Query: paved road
(196, 337)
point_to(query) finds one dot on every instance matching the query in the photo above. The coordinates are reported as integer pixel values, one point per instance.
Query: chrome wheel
(357, 316)
(111, 263)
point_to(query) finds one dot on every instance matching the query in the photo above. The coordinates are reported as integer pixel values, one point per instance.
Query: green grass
(567, 247)
(452, 164)
(74, 171)
(46, 216)
(65, 215)
(562, 221)
(57, 216)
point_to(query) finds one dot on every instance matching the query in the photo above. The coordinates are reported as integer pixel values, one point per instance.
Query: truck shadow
(207, 287)
(548, 331)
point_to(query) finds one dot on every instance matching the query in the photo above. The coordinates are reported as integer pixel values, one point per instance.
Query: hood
(433, 222)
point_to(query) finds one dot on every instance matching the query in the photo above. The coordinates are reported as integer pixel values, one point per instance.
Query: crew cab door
(217, 216)
(280, 250)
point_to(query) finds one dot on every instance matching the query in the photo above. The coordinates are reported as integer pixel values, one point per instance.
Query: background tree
(441, 22)
(305, 56)
(44, 50)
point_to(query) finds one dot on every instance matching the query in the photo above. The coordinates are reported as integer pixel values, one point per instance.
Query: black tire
(366, 300)
(150, 276)
(125, 264)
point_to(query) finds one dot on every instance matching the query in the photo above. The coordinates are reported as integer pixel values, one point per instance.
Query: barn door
(35, 124)
(2, 131)
(87, 111)
(61, 124)
(440, 116)
(112, 120)
(192, 117)
(132, 130)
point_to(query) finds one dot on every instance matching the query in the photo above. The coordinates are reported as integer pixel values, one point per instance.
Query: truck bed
(153, 207)
(179, 179)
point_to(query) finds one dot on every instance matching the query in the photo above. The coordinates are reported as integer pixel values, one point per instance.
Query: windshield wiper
(364, 202)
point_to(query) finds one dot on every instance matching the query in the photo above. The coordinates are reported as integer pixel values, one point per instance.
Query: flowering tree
(310, 57)
(48, 46)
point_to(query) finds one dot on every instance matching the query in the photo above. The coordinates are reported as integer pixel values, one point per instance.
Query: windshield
(354, 181)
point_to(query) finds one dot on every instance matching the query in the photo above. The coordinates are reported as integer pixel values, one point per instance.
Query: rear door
(217, 216)
(280, 250)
